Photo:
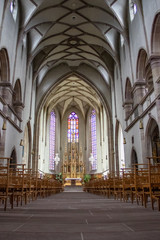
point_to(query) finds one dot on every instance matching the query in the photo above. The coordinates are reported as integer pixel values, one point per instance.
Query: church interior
(80, 106)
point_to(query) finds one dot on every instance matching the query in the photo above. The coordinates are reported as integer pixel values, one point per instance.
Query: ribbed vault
(73, 92)
(73, 32)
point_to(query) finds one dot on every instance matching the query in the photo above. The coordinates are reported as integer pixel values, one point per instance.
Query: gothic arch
(143, 74)
(128, 91)
(155, 37)
(104, 102)
(134, 158)
(18, 92)
(128, 105)
(17, 98)
(141, 64)
(152, 138)
(119, 147)
(26, 158)
(4, 66)
(116, 147)
(13, 160)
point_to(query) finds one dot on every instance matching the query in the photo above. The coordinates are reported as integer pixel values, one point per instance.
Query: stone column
(18, 107)
(128, 105)
(139, 91)
(155, 66)
(6, 92)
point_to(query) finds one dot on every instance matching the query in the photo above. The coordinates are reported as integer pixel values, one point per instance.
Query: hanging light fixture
(4, 126)
(141, 124)
(21, 143)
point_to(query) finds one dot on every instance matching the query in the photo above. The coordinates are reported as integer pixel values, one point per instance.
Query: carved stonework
(73, 165)
(18, 108)
(6, 92)
(139, 91)
(128, 108)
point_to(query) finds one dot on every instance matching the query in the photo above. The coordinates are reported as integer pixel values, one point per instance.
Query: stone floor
(75, 215)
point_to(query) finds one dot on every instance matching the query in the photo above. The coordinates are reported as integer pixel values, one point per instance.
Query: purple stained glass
(94, 139)
(73, 128)
(52, 140)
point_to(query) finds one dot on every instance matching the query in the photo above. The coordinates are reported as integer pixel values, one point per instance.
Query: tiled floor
(75, 215)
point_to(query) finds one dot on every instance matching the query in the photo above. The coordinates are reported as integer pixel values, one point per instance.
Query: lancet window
(52, 140)
(93, 139)
(73, 128)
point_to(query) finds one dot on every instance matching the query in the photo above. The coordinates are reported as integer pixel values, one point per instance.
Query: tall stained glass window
(73, 128)
(52, 140)
(94, 139)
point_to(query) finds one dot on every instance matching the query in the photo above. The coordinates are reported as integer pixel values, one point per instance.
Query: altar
(72, 182)
(73, 168)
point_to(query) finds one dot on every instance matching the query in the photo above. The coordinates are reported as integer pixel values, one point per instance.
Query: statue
(91, 160)
(56, 160)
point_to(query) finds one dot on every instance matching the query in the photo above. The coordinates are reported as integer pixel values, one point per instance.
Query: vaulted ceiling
(73, 92)
(73, 32)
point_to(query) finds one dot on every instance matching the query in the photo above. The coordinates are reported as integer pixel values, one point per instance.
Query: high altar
(73, 168)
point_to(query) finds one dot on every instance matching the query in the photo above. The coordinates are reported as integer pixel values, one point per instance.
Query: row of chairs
(140, 183)
(19, 184)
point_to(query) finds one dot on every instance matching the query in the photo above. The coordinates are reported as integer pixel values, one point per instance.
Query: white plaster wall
(12, 140)
(128, 64)
(105, 154)
(137, 40)
(1, 14)
(9, 38)
(150, 11)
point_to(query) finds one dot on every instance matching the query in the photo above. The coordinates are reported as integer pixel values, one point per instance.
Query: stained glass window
(73, 128)
(94, 139)
(52, 140)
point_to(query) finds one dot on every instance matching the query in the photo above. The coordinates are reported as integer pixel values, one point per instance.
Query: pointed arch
(128, 104)
(93, 129)
(4, 66)
(13, 160)
(18, 92)
(27, 140)
(17, 98)
(134, 158)
(52, 140)
(119, 147)
(144, 71)
(141, 64)
(128, 91)
(73, 127)
(155, 37)
(152, 138)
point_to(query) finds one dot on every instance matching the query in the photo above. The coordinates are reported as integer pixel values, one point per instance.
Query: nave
(76, 215)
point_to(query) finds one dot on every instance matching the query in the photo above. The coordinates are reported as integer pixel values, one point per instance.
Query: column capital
(154, 60)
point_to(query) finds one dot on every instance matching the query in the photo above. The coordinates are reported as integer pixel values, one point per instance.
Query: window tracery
(73, 128)
(52, 140)
(93, 139)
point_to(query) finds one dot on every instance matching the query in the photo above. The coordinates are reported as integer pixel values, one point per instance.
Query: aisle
(73, 189)
(79, 216)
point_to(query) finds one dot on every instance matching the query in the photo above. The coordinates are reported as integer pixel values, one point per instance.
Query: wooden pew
(154, 182)
(18, 184)
(4, 181)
